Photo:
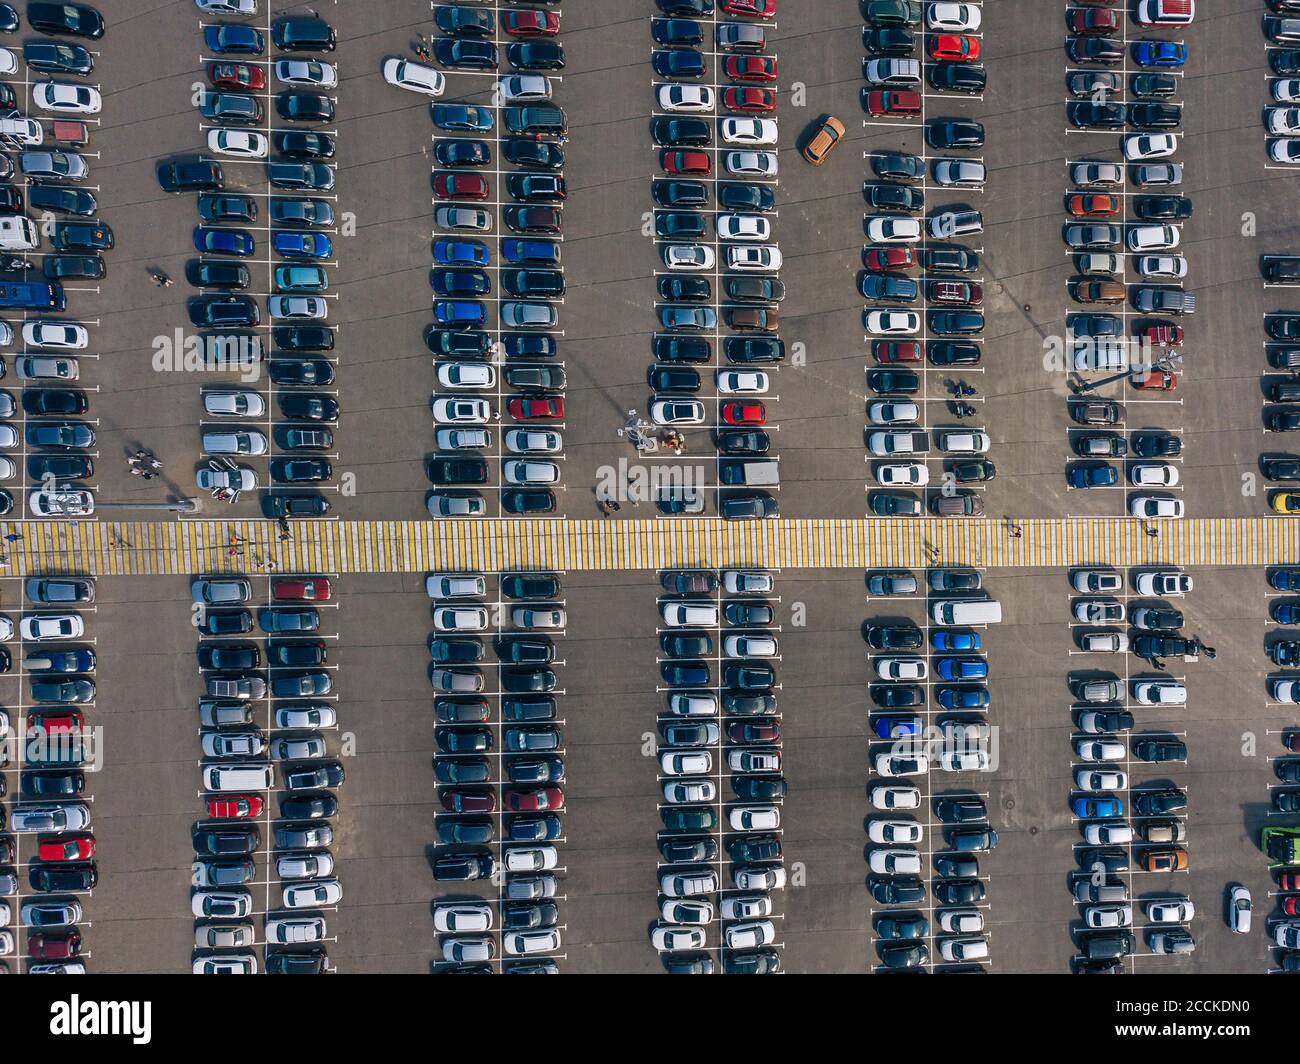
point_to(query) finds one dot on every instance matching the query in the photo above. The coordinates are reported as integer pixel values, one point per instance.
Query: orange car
(1092, 205)
(1173, 859)
(823, 141)
(1157, 380)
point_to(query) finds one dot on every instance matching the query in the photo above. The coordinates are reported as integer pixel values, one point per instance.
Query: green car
(300, 279)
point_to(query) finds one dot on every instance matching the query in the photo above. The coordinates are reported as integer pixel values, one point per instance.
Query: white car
(746, 906)
(241, 143)
(1283, 120)
(963, 172)
(746, 582)
(961, 921)
(58, 334)
(1096, 581)
(461, 917)
(1089, 779)
(456, 410)
(1171, 266)
(530, 472)
(8, 61)
(889, 412)
(750, 935)
(688, 257)
(1284, 150)
(757, 131)
(1239, 910)
(62, 97)
(681, 792)
(1149, 146)
(1153, 506)
(1108, 916)
(1159, 693)
(228, 7)
(308, 73)
(230, 904)
(304, 865)
(531, 858)
(693, 705)
(61, 502)
(460, 619)
(893, 322)
(750, 163)
(306, 716)
(686, 762)
(902, 668)
(885, 796)
(743, 227)
(895, 861)
(890, 229)
(311, 895)
(894, 831)
(523, 88)
(887, 764)
(964, 760)
(742, 381)
(233, 402)
(300, 307)
(238, 479)
(295, 930)
(1099, 750)
(1153, 475)
(1153, 238)
(952, 18)
(1285, 90)
(1286, 691)
(686, 911)
(763, 258)
(466, 375)
(748, 646)
(670, 938)
(903, 474)
(1107, 833)
(1171, 911)
(964, 949)
(414, 76)
(1103, 642)
(758, 877)
(686, 97)
(533, 441)
(689, 614)
(754, 818)
(677, 412)
(1163, 582)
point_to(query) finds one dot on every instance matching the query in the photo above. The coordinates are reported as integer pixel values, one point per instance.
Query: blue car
(223, 241)
(1099, 476)
(461, 253)
(1093, 808)
(963, 697)
(531, 252)
(963, 669)
(896, 727)
(1159, 54)
(1286, 612)
(1285, 580)
(302, 245)
(457, 313)
(461, 117)
(955, 639)
(234, 40)
(535, 828)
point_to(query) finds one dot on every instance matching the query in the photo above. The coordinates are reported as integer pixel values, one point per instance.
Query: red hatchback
(530, 23)
(460, 186)
(303, 588)
(881, 102)
(896, 351)
(543, 408)
(1093, 21)
(540, 800)
(749, 100)
(1291, 904)
(65, 848)
(750, 8)
(880, 259)
(751, 67)
(234, 807)
(236, 76)
(53, 945)
(954, 47)
(55, 721)
(454, 801)
(686, 163)
(746, 413)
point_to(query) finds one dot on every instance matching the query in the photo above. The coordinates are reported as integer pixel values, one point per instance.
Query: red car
(56, 721)
(686, 163)
(881, 102)
(879, 259)
(754, 731)
(65, 848)
(1288, 881)
(304, 588)
(53, 945)
(954, 47)
(1093, 21)
(750, 8)
(460, 186)
(542, 408)
(236, 76)
(533, 801)
(750, 67)
(896, 351)
(744, 413)
(956, 293)
(749, 100)
(1291, 904)
(1166, 335)
(1157, 380)
(1092, 205)
(454, 801)
(235, 807)
(530, 23)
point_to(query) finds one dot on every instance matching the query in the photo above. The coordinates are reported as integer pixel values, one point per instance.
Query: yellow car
(1286, 502)
(821, 143)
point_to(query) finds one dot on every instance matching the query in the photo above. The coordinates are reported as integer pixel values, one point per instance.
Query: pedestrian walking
(615, 505)
(13, 537)
(1016, 531)
(1154, 533)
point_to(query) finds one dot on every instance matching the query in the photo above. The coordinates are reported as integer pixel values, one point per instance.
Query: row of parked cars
(499, 770)
(1281, 393)
(55, 439)
(717, 299)
(497, 273)
(51, 838)
(1125, 245)
(927, 711)
(1126, 827)
(920, 277)
(715, 729)
(264, 718)
(1281, 26)
(244, 83)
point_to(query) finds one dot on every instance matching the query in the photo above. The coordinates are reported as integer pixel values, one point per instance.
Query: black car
(1157, 85)
(461, 21)
(75, 20)
(1096, 115)
(231, 108)
(304, 107)
(893, 197)
(751, 198)
(957, 77)
(755, 289)
(678, 63)
(301, 371)
(1156, 444)
(1155, 115)
(300, 34)
(671, 193)
(758, 788)
(300, 144)
(530, 345)
(77, 201)
(303, 337)
(747, 350)
(972, 471)
(893, 382)
(955, 322)
(309, 407)
(949, 258)
(215, 840)
(738, 441)
(954, 133)
(49, 879)
(747, 849)
(57, 57)
(8, 18)
(1104, 50)
(681, 348)
(1284, 61)
(457, 470)
(897, 695)
(310, 961)
(229, 656)
(894, 637)
(1159, 802)
(897, 890)
(539, 153)
(696, 849)
(684, 289)
(528, 501)
(673, 379)
(673, 132)
(532, 219)
(54, 402)
(536, 378)
(1162, 208)
(475, 55)
(887, 41)
(217, 274)
(1157, 750)
(462, 867)
(535, 55)
(902, 926)
(461, 117)
(962, 810)
(897, 166)
(201, 175)
(672, 31)
(1281, 419)
(694, 645)
(455, 651)
(959, 891)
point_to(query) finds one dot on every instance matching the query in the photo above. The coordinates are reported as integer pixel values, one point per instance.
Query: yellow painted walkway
(184, 547)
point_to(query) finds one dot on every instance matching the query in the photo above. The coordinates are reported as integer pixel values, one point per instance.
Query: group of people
(144, 464)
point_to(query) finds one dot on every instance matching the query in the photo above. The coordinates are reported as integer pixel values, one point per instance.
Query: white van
(966, 611)
(249, 776)
(26, 131)
(755, 473)
(18, 233)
